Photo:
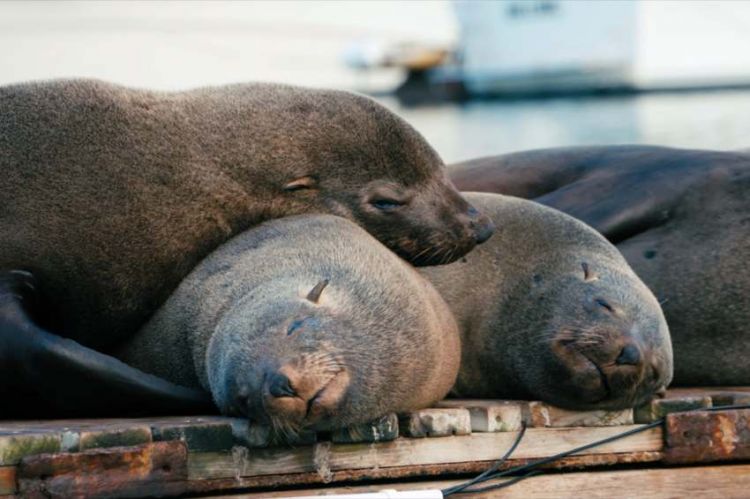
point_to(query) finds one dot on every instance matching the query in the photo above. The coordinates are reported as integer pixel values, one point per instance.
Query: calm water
(712, 120)
(176, 45)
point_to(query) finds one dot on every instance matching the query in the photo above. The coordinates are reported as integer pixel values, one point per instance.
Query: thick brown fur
(546, 307)
(680, 217)
(378, 333)
(110, 195)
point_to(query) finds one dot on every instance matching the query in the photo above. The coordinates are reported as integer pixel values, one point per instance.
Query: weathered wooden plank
(212, 436)
(730, 481)
(658, 408)
(435, 423)
(720, 395)
(99, 438)
(14, 447)
(507, 415)
(544, 415)
(326, 458)
(243, 461)
(420, 471)
(153, 469)
(384, 429)
(211, 433)
(60, 425)
(703, 391)
(7, 480)
(491, 415)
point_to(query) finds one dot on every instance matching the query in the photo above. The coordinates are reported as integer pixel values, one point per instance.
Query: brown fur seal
(549, 310)
(305, 321)
(681, 219)
(110, 196)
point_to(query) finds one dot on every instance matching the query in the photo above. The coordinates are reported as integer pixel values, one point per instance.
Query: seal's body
(110, 196)
(680, 218)
(549, 310)
(305, 321)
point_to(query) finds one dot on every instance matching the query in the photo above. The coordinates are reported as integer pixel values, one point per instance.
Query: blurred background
(475, 77)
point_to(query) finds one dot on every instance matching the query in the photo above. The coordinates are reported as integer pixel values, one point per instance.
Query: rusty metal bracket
(701, 437)
(153, 469)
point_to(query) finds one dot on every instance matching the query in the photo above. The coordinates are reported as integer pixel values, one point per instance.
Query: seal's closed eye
(386, 204)
(294, 326)
(299, 323)
(307, 182)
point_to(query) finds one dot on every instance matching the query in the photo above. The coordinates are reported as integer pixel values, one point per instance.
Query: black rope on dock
(531, 468)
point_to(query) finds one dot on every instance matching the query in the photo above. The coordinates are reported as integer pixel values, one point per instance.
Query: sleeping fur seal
(549, 310)
(110, 196)
(304, 322)
(680, 217)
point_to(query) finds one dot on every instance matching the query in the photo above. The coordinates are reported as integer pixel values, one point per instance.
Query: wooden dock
(439, 447)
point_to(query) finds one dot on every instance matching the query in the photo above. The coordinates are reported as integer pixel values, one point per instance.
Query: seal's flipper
(526, 174)
(619, 190)
(43, 375)
(619, 205)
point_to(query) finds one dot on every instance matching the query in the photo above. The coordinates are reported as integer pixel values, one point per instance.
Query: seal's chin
(438, 254)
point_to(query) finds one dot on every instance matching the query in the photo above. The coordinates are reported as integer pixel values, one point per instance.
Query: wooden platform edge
(192, 465)
(728, 481)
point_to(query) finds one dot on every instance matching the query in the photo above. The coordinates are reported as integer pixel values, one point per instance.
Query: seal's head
(354, 158)
(549, 310)
(307, 363)
(597, 339)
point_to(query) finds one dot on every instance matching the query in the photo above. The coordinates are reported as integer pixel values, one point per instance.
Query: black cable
(490, 474)
(490, 470)
(504, 484)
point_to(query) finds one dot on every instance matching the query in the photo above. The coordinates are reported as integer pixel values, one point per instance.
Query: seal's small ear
(314, 294)
(588, 274)
(307, 182)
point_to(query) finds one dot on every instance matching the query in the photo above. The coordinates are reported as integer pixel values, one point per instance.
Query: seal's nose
(480, 224)
(301, 390)
(624, 364)
(279, 386)
(629, 355)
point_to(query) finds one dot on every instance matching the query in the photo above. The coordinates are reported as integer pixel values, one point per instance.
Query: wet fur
(533, 280)
(680, 217)
(110, 195)
(377, 317)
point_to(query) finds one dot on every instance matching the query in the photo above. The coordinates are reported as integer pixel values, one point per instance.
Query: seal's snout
(480, 224)
(623, 364)
(301, 395)
(606, 369)
(279, 386)
(630, 355)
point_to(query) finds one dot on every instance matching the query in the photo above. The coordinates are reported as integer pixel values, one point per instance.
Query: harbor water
(707, 120)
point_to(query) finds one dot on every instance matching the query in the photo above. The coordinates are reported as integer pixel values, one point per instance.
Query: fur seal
(681, 219)
(304, 322)
(112, 195)
(549, 310)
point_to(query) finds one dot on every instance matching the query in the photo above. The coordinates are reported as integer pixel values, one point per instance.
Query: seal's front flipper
(618, 190)
(525, 174)
(43, 375)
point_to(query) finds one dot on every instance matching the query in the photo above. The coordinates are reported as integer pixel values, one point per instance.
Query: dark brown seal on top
(549, 310)
(110, 195)
(304, 322)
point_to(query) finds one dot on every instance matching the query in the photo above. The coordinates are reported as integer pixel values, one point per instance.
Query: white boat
(559, 46)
